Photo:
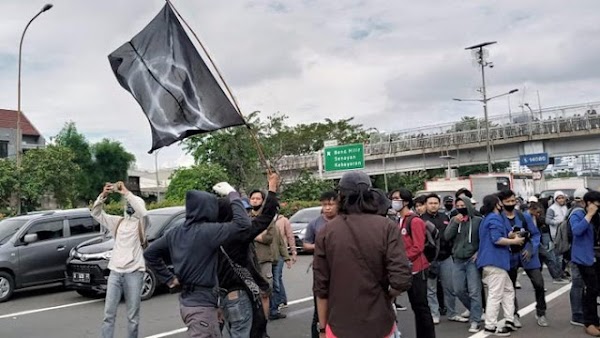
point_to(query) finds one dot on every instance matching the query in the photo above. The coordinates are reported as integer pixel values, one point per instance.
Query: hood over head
(559, 193)
(200, 207)
(469, 205)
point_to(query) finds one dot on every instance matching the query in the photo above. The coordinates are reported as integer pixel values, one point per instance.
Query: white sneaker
(436, 320)
(466, 314)
(517, 285)
(517, 322)
(458, 319)
(474, 328)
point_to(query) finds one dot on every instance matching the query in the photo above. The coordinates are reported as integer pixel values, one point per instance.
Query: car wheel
(88, 293)
(148, 284)
(7, 286)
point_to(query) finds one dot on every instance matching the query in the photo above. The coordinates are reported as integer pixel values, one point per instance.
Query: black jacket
(193, 247)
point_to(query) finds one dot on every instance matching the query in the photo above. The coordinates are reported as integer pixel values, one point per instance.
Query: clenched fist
(223, 188)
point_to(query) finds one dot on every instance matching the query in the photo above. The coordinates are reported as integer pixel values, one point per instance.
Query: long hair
(361, 201)
(489, 204)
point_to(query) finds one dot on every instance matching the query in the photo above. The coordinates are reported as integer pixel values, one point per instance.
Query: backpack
(564, 234)
(432, 238)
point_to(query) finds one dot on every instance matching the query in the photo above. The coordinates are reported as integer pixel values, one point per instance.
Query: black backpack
(432, 238)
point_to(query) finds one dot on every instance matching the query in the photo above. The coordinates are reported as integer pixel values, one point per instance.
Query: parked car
(34, 247)
(87, 265)
(299, 222)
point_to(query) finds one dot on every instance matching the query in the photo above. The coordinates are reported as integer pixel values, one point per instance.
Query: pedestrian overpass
(559, 131)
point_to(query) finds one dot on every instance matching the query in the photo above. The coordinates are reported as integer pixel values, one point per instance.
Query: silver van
(35, 247)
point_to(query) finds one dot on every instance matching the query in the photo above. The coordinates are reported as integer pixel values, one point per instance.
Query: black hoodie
(193, 247)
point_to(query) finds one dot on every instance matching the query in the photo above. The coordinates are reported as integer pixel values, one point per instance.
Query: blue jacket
(533, 245)
(491, 230)
(582, 248)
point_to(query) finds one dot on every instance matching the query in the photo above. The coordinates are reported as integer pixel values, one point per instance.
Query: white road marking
(531, 307)
(184, 329)
(22, 313)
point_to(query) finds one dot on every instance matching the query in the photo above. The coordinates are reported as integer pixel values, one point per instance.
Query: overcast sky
(391, 64)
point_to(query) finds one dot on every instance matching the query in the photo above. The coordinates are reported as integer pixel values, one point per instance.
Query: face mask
(397, 205)
(463, 211)
(509, 208)
(129, 211)
(256, 207)
(448, 206)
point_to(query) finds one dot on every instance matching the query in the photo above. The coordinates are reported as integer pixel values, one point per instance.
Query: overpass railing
(558, 120)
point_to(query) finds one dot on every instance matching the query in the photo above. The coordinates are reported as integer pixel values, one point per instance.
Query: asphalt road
(55, 312)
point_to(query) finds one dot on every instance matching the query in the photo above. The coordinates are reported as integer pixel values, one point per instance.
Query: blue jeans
(119, 284)
(238, 314)
(444, 272)
(547, 256)
(277, 297)
(467, 285)
(576, 294)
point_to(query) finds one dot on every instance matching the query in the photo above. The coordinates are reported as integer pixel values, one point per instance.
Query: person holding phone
(463, 231)
(127, 263)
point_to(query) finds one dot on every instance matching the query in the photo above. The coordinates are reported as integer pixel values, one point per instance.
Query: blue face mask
(397, 205)
(129, 210)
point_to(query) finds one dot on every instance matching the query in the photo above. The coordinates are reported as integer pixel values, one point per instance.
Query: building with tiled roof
(31, 137)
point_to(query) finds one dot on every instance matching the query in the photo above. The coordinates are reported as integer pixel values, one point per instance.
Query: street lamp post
(479, 54)
(18, 132)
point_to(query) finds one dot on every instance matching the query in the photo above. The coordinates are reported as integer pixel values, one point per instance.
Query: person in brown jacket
(359, 259)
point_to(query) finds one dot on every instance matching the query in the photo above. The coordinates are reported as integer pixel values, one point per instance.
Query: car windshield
(156, 224)
(305, 215)
(9, 227)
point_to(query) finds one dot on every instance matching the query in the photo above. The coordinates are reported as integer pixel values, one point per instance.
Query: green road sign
(344, 157)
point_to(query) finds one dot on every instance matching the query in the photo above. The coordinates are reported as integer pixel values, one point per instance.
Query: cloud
(390, 64)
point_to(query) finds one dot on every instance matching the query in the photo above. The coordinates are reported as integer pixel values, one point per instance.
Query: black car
(87, 266)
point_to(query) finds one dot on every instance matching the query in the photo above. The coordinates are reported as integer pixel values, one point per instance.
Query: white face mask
(397, 205)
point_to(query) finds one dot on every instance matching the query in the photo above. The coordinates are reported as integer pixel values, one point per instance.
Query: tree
(413, 181)
(70, 138)
(8, 181)
(111, 163)
(306, 188)
(49, 170)
(199, 177)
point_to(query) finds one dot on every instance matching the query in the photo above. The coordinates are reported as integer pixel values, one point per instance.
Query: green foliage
(198, 177)
(561, 175)
(117, 207)
(413, 181)
(49, 170)
(482, 168)
(8, 181)
(70, 138)
(111, 163)
(234, 148)
(289, 208)
(306, 188)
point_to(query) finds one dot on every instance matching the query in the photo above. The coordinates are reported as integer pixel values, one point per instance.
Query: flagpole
(259, 149)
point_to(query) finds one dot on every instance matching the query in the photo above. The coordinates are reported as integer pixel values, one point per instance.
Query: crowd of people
(370, 247)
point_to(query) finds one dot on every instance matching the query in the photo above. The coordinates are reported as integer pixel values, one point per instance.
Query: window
(3, 149)
(83, 225)
(47, 230)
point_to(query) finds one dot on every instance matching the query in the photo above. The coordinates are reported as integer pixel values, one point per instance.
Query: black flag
(163, 71)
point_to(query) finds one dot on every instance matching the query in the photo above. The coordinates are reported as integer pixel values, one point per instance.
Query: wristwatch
(320, 328)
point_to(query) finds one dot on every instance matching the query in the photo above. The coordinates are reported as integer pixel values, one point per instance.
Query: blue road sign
(540, 159)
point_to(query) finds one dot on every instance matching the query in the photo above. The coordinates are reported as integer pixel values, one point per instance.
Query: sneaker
(541, 320)
(400, 307)
(436, 320)
(474, 328)
(577, 323)
(517, 321)
(592, 331)
(517, 285)
(510, 325)
(277, 316)
(458, 319)
(466, 314)
(500, 332)
(560, 281)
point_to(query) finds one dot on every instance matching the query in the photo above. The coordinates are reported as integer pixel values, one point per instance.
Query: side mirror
(30, 238)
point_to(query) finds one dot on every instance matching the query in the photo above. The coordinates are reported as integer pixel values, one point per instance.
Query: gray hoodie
(465, 234)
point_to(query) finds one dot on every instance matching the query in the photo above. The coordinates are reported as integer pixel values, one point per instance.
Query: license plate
(81, 277)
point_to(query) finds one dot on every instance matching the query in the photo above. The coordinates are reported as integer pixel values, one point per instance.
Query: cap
(578, 194)
(532, 199)
(448, 199)
(355, 181)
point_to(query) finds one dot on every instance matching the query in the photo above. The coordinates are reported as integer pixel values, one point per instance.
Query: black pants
(313, 327)
(417, 295)
(535, 275)
(590, 274)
